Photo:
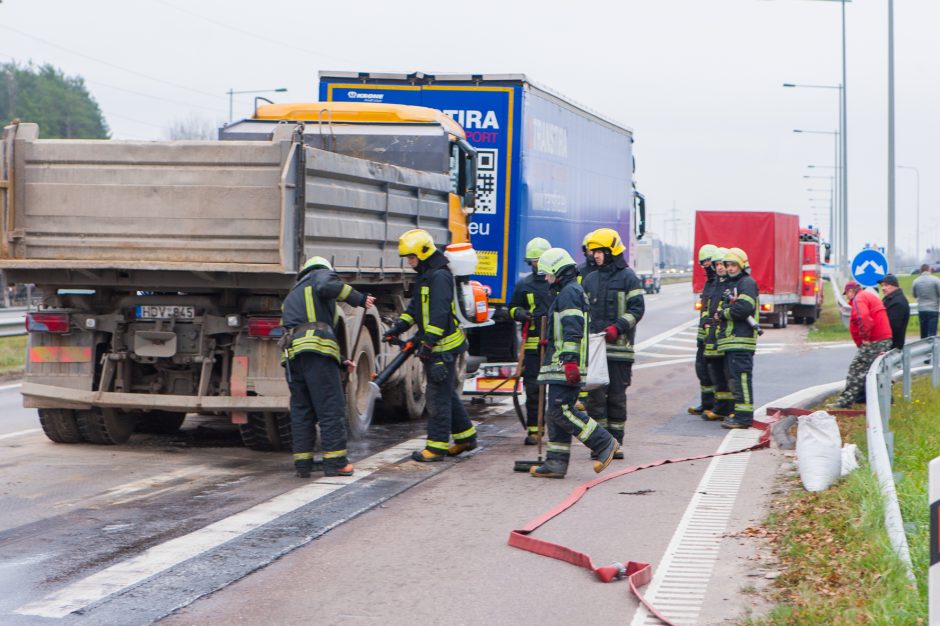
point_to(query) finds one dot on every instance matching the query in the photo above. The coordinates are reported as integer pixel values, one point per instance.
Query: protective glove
(543, 343)
(392, 333)
(572, 373)
(522, 315)
(501, 315)
(611, 333)
(438, 372)
(425, 352)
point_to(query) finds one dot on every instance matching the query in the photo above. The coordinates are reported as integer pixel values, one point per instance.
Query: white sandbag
(819, 450)
(849, 458)
(597, 374)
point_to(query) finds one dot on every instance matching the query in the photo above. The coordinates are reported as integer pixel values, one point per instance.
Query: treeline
(60, 104)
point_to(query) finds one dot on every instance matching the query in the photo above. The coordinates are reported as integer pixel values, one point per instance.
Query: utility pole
(891, 164)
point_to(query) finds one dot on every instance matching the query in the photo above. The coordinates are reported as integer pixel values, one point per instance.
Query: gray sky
(699, 81)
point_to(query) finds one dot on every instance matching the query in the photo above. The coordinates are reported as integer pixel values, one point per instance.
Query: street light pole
(891, 165)
(232, 93)
(917, 251)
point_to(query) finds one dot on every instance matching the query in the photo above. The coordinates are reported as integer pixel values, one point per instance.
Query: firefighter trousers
(565, 421)
(608, 404)
(739, 367)
(316, 395)
(530, 374)
(724, 399)
(705, 381)
(446, 414)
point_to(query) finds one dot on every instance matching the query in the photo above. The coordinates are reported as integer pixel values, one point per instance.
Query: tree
(60, 104)
(192, 127)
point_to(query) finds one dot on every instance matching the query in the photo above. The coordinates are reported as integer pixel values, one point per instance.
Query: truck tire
(809, 320)
(107, 427)
(160, 422)
(415, 390)
(60, 426)
(266, 431)
(358, 390)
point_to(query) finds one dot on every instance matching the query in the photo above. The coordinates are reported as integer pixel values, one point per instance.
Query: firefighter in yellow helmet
(714, 360)
(313, 365)
(706, 260)
(615, 295)
(588, 266)
(529, 304)
(440, 341)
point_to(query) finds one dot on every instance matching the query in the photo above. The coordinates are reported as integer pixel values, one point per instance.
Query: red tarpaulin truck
(785, 259)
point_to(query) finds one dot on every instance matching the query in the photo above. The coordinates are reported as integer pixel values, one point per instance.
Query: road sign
(868, 267)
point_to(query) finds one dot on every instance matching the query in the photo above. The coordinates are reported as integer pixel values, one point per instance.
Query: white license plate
(165, 312)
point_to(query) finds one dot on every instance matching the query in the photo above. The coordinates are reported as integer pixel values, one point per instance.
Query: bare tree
(193, 126)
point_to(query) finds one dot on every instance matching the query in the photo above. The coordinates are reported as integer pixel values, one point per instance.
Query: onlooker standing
(927, 291)
(872, 334)
(897, 307)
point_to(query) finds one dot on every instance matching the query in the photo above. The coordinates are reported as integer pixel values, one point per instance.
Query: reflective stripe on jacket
(567, 331)
(312, 300)
(615, 295)
(738, 301)
(532, 294)
(432, 306)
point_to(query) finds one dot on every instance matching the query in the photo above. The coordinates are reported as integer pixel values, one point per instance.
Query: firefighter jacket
(567, 330)
(615, 295)
(738, 301)
(716, 289)
(310, 314)
(711, 281)
(586, 268)
(532, 295)
(432, 307)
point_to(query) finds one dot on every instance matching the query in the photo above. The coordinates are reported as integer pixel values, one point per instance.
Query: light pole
(232, 93)
(891, 166)
(917, 228)
(832, 202)
(838, 224)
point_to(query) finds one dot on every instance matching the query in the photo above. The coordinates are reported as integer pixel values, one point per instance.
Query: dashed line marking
(20, 433)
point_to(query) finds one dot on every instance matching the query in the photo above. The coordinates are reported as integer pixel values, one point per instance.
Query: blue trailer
(547, 167)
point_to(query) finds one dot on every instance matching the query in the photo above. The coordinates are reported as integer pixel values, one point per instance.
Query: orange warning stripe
(60, 354)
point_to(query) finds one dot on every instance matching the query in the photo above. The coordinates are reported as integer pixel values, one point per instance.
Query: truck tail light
(809, 283)
(265, 327)
(698, 305)
(766, 308)
(40, 322)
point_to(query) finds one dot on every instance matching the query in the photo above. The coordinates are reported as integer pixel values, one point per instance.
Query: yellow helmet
(707, 253)
(605, 238)
(417, 242)
(536, 248)
(739, 256)
(719, 254)
(584, 241)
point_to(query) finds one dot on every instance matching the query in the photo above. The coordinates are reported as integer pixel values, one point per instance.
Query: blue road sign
(868, 267)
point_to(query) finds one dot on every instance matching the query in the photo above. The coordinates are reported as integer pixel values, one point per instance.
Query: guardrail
(11, 321)
(881, 439)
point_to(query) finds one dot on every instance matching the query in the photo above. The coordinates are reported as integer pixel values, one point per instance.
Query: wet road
(128, 534)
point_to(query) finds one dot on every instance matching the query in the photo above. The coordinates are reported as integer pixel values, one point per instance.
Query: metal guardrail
(880, 438)
(11, 321)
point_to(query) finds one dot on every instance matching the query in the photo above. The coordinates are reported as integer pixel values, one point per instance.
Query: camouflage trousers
(858, 369)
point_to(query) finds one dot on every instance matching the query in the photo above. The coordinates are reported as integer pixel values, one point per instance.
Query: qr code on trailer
(487, 161)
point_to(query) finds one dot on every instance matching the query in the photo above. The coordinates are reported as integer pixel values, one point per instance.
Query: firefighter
(615, 295)
(737, 335)
(715, 360)
(588, 266)
(563, 367)
(313, 365)
(529, 304)
(706, 260)
(440, 341)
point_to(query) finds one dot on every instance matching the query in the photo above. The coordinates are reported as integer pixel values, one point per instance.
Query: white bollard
(933, 592)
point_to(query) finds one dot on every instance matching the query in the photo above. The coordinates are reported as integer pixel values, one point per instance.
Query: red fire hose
(637, 573)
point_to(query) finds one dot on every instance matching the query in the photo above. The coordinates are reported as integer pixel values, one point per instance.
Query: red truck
(786, 260)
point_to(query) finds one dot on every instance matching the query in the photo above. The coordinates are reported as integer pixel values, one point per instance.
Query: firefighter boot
(551, 468)
(711, 416)
(605, 455)
(346, 470)
(696, 410)
(426, 456)
(303, 468)
(465, 445)
(531, 440)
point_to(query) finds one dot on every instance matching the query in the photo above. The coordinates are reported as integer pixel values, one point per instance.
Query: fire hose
(637, 573)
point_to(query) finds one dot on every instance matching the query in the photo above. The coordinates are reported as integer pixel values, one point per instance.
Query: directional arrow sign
(868, 267)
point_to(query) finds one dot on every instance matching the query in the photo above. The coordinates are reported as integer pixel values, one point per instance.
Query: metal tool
(525, 466)
(375, 385)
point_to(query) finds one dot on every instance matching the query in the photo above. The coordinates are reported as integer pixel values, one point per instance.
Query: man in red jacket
(871, 332)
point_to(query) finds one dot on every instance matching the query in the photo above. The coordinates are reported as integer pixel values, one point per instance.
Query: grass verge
(12, 354)
(838, 565)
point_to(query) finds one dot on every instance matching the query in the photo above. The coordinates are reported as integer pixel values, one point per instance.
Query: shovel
(525, 466)
(375, 385)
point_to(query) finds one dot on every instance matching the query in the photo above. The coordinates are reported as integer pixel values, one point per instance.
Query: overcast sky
(699, 81)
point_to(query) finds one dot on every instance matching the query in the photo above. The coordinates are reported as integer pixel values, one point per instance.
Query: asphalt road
(131, 534)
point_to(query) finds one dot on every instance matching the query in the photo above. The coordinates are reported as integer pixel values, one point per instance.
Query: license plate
(165, 312)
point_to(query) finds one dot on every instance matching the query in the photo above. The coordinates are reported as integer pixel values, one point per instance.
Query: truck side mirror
(470, 175)
(828, 253)
(640, 214)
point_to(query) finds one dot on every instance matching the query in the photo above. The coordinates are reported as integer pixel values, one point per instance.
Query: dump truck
(163, 264)
(547, 167)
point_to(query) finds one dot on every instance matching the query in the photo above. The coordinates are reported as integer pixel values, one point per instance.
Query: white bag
(597, 375)
(849, 458)
(818, 450)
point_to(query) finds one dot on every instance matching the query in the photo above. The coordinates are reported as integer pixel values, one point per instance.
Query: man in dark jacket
(714, 359)
(441, 341)
(897, 307)
(564, 367)
(615, 295)
(737, 335)
(529, 304)
(313, 362)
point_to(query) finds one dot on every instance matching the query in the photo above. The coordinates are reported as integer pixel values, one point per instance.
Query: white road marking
(652, 341)
(13, 386)
(166, 555)
(20, 433)
(643, 366)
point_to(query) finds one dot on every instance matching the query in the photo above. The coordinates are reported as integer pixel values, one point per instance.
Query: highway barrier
(12, 321)
(933, 581)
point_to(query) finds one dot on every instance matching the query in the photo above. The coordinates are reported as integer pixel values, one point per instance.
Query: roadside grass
(12, 354)
(838, 565)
